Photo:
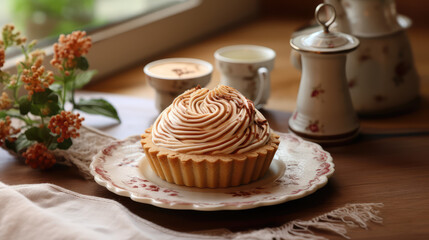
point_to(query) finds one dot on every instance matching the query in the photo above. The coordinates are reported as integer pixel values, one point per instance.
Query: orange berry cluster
(35, 58)
(5, 101)
(35, 78)
(6, 131)
(38, 156)
(70, 47)
(12, 38)
(12, 80)
(66, 125)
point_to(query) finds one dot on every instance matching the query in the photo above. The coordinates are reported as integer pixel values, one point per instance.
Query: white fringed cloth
(45, 211)
(336, 221)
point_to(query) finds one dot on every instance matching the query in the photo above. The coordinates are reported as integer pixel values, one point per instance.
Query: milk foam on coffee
(178, 70)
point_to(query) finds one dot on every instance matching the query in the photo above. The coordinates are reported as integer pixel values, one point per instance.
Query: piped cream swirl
(218, 121)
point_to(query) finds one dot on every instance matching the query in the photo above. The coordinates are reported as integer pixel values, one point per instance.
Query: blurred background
(127, 34)
(46, 19)
(40, 19)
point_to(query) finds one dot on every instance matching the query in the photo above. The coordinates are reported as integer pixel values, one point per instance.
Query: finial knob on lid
(322, 20)
(325, 41)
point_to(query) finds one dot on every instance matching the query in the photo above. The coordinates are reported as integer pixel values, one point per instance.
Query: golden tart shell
(209, 171)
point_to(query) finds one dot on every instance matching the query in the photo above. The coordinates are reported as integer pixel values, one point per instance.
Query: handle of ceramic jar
(295, 59)
(263, 77)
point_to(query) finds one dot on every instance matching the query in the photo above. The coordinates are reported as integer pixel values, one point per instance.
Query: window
(46, 19)
(126, 32)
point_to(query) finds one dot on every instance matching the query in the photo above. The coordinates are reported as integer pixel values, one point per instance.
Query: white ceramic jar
(381, 73)
(324, 111)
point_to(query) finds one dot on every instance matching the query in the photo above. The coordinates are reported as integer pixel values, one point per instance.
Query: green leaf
(57, 79)
(12, 113)
(82, 63)
(44, 133)
(10, 145)
(24, 105)
(35, 109)
(84, 78)
(53, 97)
(3, 114)
(98, 106)
(38, 134)
(53, 146)
(45, 103)
(66, 144)
(32, 134)
(41, 97)
(22, 143)
(56, 87)
(53, 107)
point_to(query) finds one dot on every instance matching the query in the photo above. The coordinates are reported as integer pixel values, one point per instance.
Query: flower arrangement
(47, 124)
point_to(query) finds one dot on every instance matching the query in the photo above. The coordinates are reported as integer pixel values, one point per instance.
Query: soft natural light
(48, 18)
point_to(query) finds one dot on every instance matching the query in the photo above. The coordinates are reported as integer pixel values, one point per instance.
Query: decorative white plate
(298, 169)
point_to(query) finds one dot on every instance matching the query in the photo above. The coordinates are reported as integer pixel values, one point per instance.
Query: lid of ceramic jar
(324, 41)
(375, 18)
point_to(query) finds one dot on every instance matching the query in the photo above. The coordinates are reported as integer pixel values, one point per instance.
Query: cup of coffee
(247, 68)
(170, 77)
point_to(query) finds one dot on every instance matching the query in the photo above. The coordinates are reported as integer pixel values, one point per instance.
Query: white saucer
(298, 169)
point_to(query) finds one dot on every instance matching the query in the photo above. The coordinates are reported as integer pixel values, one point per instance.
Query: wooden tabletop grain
(388, 162)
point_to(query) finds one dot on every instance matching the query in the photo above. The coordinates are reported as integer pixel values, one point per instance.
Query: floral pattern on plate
(298, 169)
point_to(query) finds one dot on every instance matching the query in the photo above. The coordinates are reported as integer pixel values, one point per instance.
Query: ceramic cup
(170, 77)
(247, 68)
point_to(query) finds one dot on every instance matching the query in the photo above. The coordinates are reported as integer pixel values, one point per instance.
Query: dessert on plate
(210, 139)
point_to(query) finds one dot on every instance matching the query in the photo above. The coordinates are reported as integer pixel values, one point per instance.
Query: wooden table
(388, 163)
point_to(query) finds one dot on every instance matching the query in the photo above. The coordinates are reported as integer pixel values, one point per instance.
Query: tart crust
(209, 171)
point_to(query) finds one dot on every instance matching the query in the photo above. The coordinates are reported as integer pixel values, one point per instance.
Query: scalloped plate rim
(323, 180)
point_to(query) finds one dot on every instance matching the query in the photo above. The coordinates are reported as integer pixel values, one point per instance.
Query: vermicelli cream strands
(218, 121)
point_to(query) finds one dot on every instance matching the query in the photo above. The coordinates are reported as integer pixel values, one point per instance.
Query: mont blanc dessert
(210, 139)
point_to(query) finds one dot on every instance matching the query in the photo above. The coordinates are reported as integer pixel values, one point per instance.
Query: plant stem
(26, 119)
(49, 141)
(43, 121)
(25, 52)
(63, 98)
(5, 41)
(15, 95)
(72, 90)
(16, 87)
(63, 102)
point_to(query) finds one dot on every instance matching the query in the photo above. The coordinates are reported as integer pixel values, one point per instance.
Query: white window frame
(131, 42)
